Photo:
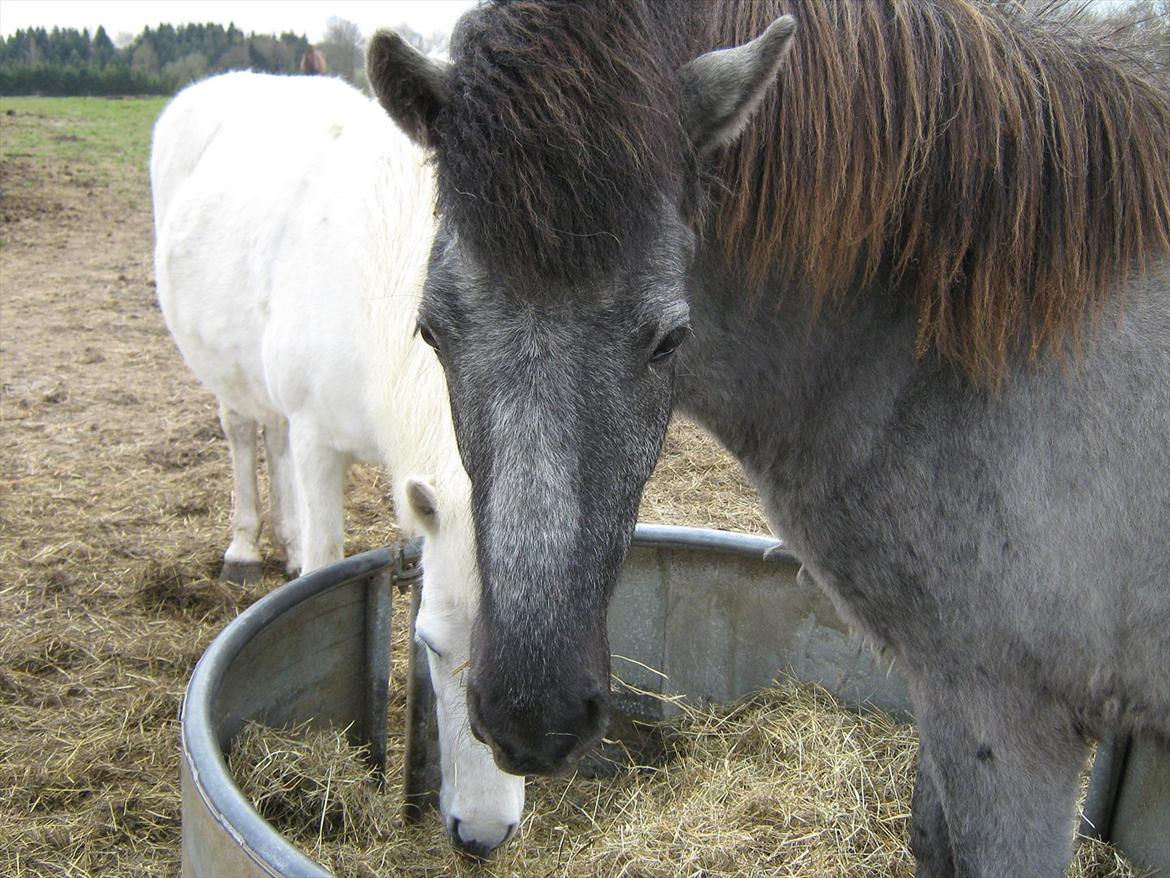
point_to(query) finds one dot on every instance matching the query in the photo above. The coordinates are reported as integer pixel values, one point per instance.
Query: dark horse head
(569, 148)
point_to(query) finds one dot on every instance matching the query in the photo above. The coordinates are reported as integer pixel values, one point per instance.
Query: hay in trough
(784, 783)
(314, 782)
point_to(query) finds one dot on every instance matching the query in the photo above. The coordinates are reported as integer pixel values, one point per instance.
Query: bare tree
(144, 59)
(435, 44)
(412, 36)
(1138, 30)
(1141, 28)
(345, 48)
(186, 69)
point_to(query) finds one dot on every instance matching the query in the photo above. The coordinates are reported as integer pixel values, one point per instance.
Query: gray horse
(915, 278)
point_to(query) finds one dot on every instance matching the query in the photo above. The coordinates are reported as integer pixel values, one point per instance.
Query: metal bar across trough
(701, 613)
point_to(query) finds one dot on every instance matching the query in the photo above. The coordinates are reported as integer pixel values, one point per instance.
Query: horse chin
(531, 766)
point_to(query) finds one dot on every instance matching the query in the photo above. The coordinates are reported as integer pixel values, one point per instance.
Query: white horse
(293, 223)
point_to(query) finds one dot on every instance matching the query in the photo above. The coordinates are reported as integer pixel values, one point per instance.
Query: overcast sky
(307, 17)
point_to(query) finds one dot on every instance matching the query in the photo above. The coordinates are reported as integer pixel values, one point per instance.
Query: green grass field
(104, 142)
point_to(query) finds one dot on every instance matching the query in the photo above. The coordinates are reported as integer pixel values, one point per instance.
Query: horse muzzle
(549, 738)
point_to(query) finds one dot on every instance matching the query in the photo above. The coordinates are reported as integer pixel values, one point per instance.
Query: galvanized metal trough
(700, 613)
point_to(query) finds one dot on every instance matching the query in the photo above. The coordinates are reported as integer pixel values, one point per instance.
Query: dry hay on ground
(784, 783)
(114, 502)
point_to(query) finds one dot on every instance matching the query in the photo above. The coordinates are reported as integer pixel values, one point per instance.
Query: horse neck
(784, 389)
(828, 415)
(406, 392)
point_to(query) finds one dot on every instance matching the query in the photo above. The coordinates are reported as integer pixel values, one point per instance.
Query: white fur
(293, 224)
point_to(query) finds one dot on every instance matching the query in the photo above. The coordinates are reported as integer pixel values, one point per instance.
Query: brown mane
(1008, 175)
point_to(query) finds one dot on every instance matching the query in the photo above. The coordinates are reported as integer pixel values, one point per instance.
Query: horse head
(556, 299)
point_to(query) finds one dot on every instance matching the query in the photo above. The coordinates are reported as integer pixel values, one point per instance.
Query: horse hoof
(241, 572)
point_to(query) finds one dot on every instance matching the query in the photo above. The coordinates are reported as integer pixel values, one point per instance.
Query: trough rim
(726, 542)
(201, 753)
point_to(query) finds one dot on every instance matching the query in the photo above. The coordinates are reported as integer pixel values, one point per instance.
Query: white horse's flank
(293, 223)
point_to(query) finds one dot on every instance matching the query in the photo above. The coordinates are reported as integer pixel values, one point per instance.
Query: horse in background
(909, 262)
(293, 222)
(313, 62)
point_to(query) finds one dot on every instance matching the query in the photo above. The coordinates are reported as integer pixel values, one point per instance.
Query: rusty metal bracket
(407, 566)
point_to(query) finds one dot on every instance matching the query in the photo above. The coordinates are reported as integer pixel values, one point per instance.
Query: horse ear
(721, 89)
(409, 85)
(424, 502)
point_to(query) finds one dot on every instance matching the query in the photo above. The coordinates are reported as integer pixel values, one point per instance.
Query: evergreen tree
(66, 61)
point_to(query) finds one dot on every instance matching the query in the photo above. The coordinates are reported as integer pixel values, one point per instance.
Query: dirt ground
(114, 503)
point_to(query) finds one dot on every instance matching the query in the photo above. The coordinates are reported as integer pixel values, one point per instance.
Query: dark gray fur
(414, 97)
(721, 89)
(1008, 549)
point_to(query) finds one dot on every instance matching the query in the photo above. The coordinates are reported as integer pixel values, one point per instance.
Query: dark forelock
(560, 135)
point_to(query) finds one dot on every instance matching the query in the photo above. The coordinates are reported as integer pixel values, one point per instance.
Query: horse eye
(669, 344)
(426, 641)
(424, 332)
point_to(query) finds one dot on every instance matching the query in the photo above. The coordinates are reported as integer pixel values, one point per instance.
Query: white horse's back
(242, 107)
(259, 209)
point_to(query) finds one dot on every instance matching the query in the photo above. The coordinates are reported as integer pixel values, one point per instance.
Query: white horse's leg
(320, 477)
(1004, 762)
(283, 491)
(241, 561)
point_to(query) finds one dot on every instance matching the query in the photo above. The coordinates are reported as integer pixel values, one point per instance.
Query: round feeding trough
(700, 613)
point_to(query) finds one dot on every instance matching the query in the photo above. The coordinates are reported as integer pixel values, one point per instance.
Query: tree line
(65, 61)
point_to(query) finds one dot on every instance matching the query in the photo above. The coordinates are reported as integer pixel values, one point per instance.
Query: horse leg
(320, 480)
(241, 561)
(1003, 762)
(930, 840)
(283, 492)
